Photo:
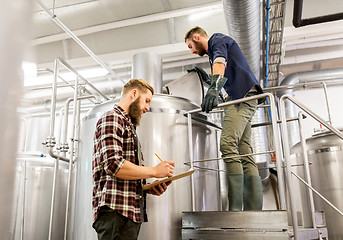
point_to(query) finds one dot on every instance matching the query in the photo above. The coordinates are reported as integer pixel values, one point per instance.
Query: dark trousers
(111, 225)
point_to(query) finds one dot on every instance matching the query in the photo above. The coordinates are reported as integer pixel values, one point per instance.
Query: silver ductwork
(148, 66)
(243, 21)
(299, 78)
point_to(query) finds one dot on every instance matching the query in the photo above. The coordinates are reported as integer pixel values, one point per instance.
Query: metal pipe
(289, 171)
(306, 168)
(61, 112)
(78, 40)
(312, 114)
(23, 205)
(63, 140)
(53, 99)
(66, 65)
(190, 150)
(278, 151)
(304, 85)
(52, 208)
(267, 44)
(321, 196)
(305, 79)
(327, 101)
(244, 155)
(76, 92)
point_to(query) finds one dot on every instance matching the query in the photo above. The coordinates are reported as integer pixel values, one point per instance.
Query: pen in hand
(158, 157)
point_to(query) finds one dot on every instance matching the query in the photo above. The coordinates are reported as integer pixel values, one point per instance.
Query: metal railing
(287, 154)
(276, 141)
(279, 149)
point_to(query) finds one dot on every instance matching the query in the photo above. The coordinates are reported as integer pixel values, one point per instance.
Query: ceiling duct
(243, 21)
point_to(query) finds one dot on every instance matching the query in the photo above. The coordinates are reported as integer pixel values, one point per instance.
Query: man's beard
(200, 49)
(135, 112)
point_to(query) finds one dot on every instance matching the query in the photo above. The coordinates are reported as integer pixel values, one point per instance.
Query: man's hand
(202, 74)
(164, 169)
(211, 98)
(210, 101)
(159, 189)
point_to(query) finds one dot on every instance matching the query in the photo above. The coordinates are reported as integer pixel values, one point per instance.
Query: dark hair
(140, 84)
(199, 30)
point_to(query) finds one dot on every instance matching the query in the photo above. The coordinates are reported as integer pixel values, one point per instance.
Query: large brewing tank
(163, 130)
(325, 153)
(32, 198)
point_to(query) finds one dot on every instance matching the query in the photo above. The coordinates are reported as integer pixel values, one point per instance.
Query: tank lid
(325, 132)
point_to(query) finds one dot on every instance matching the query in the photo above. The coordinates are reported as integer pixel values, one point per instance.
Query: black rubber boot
(235, 191)
(252, 194)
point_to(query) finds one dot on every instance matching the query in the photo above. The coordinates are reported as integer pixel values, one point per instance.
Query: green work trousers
(235, 138)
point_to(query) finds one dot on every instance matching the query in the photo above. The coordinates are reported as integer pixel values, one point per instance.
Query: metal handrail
(276, 139)
(287, 149)
(319, 195)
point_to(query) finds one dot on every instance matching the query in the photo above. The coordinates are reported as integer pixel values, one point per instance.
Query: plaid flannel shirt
(114, 143)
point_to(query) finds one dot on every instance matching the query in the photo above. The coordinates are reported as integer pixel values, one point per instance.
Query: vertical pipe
(306, 168)
(267, 44)
(23, 206)
(289, 169)
(148, 66)
(190, 149)
(278, 152)
(327, 101)
(52, 207)
(15, 20)
(76, 91)
(53, 98)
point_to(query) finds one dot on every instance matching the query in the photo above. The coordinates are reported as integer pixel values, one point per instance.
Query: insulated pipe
(302, 78)
(243, 22)
(148, 66)
(15, 22)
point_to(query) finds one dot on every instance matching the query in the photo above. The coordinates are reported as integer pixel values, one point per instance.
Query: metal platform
(247, 225)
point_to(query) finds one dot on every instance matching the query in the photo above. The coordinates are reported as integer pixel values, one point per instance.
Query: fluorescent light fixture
(68, 76)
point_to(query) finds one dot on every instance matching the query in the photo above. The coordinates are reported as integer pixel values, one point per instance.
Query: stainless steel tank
(325, 152)
(163, 130)
(32, 198)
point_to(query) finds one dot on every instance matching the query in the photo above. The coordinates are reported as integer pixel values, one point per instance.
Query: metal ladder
(276, 26)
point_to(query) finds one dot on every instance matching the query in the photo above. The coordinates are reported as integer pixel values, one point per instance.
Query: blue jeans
(235, 138)
(111, 225)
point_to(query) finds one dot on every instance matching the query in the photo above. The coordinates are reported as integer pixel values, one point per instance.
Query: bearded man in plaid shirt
(118, 171)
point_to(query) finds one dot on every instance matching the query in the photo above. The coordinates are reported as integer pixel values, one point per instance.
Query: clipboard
(178, 176)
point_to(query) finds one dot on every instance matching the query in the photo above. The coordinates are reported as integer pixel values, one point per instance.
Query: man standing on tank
(231, 72)
(118, 171)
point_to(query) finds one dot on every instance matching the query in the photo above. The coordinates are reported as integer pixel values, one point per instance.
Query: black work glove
(211, 98)
(202, 74)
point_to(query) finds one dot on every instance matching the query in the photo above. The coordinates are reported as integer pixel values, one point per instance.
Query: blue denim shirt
(237, 71)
